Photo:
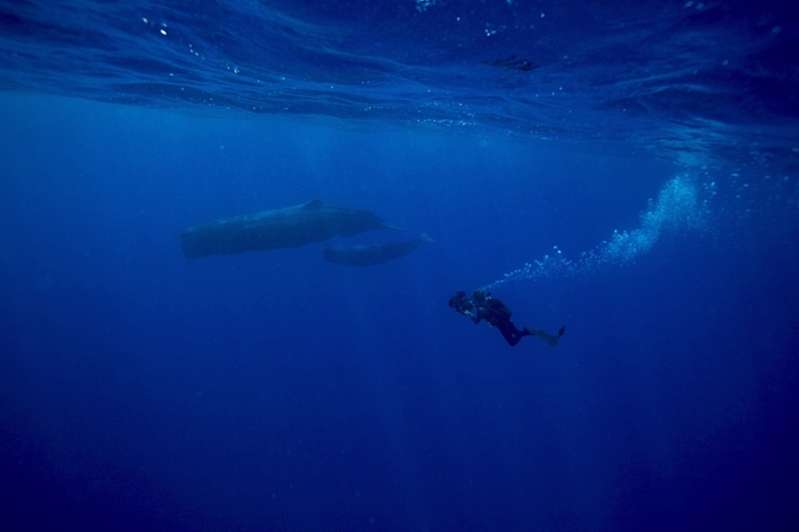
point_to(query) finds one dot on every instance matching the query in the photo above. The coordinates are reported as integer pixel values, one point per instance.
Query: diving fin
(551, 339)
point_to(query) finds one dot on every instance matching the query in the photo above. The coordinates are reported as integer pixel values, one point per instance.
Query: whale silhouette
(375, 254)
(288, 227)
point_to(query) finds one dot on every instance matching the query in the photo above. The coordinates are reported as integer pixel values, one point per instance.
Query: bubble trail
(677, 208)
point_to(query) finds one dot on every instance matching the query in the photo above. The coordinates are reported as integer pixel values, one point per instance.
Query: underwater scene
(407, 265)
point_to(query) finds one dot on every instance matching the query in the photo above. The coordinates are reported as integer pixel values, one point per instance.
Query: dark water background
(276, 391)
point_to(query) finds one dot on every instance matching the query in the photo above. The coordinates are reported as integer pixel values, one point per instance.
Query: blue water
(630, 171)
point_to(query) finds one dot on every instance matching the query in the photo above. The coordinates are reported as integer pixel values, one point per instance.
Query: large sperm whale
(288, 227)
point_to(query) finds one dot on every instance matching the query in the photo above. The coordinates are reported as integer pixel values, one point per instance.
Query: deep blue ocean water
(630, 171)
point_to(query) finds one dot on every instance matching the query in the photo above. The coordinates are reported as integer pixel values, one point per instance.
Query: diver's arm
(472, 316)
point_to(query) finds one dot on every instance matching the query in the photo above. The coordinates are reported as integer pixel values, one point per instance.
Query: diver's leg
(551, 339)
(509, 337)
(512, 334)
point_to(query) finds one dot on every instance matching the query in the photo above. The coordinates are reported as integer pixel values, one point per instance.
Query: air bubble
(677, 208)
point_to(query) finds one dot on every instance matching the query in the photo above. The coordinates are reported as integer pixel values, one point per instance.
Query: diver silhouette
(483, 306)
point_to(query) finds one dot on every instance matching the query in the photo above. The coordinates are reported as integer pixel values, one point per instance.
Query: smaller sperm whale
(375, 254)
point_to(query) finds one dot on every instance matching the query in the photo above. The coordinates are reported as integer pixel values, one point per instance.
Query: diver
(483, 306)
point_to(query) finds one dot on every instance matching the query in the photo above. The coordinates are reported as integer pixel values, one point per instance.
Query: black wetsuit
(483, 306)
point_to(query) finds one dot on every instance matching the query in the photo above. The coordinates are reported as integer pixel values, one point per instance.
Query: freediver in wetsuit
(483, 306)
